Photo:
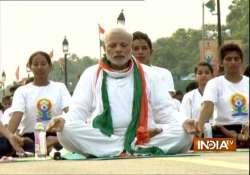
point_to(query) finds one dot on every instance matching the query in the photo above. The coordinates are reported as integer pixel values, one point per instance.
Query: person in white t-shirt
(230, 94)
(38, 101)
(142, 51)
(191, 102)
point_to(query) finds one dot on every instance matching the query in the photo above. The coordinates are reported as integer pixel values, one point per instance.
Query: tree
(238, 22)
(178, 53)
(75, 67)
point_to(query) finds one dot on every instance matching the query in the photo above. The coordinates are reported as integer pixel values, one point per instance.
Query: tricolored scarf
(138, 126)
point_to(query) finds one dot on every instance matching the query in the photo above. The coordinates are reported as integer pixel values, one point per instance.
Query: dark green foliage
(180, 52)
(75, 67)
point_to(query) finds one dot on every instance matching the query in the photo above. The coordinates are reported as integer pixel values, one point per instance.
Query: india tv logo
(214, 144)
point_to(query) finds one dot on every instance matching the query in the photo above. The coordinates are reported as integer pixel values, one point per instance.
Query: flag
(211, 5)
(101, 30)
(17, 73)
(51, 54)
(101, 35)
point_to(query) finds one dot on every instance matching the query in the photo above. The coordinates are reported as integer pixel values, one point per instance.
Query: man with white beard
(111, 108)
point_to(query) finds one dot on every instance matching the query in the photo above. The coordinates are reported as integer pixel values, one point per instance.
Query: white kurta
(230, 99)
(39, 101)
(78, 134)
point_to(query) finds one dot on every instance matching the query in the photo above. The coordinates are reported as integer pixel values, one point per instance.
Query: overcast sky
(29, 26)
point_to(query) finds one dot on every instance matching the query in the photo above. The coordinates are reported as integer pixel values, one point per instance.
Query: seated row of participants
(121, 105)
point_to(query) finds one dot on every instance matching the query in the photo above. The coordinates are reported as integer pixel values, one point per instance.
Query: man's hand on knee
(191, 127)
(55, 125)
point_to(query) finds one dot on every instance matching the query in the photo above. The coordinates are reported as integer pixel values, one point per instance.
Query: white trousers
(77, 137)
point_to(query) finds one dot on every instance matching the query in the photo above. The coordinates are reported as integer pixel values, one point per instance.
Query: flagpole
(220, 71)
(219, 24)
(203, 31)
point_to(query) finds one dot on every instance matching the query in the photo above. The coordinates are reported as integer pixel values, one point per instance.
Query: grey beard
(120, 61)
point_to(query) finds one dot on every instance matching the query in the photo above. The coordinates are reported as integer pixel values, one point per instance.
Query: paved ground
(207, 163)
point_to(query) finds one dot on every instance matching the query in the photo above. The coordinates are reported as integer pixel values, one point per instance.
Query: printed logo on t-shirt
(43, 108)
(239, 104)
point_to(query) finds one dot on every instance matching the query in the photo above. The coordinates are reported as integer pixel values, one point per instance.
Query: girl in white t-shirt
(230, 94)
(191, 102)
(39, 100)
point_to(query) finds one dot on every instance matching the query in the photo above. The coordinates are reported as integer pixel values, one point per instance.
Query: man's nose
(118, 49)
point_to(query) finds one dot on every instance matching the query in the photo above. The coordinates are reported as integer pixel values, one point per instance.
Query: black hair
(203, 64)
(230, 47)
(140, 35)
(191, 86)
(46, 55)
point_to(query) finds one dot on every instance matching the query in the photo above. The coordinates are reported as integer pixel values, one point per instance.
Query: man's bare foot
(155, 131)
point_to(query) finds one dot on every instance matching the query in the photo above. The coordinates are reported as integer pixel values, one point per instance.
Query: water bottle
(208, 130)
(40, 141)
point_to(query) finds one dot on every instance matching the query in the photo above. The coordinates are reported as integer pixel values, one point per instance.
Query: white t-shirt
(230, 99)
(166, 76)
(6, 116)
(191, 105)
(39, 103)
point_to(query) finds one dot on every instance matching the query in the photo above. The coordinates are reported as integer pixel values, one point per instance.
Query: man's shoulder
(89, 73)
(90, 70)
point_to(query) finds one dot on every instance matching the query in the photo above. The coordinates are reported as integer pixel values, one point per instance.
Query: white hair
(117, 30)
